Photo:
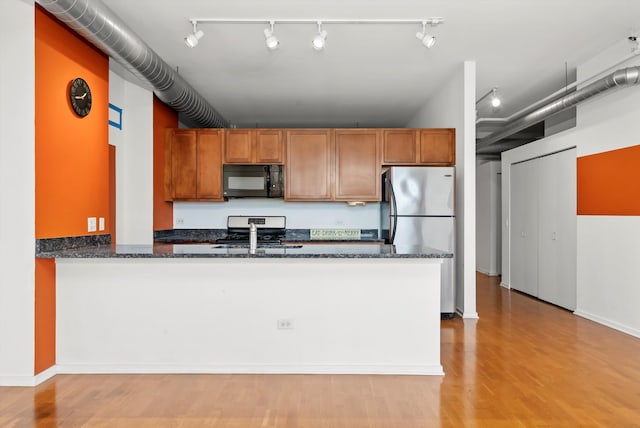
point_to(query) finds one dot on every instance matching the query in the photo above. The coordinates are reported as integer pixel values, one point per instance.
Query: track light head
(495, 100)
(427, 40)
(270, 40)
(320, 39)
(193, 39)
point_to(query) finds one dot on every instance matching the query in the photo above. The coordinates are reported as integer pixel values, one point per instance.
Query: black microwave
(252, 181)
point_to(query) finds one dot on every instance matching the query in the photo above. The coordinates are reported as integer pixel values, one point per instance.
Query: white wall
(17, 181)
(453, 106)
(488, 212)
(607, 259)
(134, 160)
(221, 316)
(300, 215)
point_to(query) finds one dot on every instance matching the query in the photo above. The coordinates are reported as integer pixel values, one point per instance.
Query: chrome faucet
(253, 238)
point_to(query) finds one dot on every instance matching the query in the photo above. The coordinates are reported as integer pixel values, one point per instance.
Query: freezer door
(433, 232)
(424, 190)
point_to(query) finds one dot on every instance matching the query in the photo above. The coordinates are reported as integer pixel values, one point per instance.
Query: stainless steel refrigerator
(418, 209)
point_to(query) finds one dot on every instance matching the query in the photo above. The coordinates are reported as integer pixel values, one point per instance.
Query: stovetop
(271, 229)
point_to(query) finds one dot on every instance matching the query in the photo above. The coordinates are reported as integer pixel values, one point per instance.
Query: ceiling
(374, 75)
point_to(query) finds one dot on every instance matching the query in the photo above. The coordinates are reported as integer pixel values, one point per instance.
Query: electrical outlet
(91, 224)
(101, 223)
(179, 221)
(285, 324)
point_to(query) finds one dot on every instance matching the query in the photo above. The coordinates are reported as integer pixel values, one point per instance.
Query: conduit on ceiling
(97, 24)
(625, 77)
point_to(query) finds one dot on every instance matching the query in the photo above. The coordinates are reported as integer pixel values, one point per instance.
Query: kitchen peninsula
(207, 308)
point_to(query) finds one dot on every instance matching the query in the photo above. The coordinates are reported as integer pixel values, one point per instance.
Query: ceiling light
(193, 39)
(495, 101)
(427, 39)
(271, 41)
(320, 39)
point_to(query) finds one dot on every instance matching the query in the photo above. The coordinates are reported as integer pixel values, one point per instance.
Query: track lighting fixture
(320, 39)
(427, 40)
(495, 101)
(193, 39)
(494, 98)
(271, 41)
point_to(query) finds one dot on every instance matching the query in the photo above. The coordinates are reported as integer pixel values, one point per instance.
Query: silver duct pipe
(96, 23)
(626, 76)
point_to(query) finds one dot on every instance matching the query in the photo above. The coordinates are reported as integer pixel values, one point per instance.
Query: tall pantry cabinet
(543, 228)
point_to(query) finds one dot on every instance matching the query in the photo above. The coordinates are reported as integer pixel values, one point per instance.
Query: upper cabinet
(419, 146)
(193, 164)
(438, 146)
(309, 165)
(357, 164)
(253, 146)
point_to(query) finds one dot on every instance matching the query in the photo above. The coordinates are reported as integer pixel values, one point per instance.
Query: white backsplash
(300, 215)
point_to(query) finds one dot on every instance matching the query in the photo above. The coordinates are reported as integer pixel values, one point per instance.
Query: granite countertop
(201, 243)
(196, 250)
(175, 236)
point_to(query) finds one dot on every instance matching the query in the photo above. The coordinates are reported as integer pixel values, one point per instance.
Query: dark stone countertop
(201, 243)
(174, 236)
(195, 250)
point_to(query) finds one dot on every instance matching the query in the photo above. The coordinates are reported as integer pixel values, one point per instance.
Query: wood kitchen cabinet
(357, 164)
(193, 164)
(437, 147)
(419, 147)
(309, 165)
(253, 146)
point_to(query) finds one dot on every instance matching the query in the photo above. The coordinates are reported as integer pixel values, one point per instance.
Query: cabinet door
(437, 147)
(524, 227)
(400, 146)
(209, 164)
(308, 166)
(357, 163)
(238, 146)
(269, 148)
(183, 159)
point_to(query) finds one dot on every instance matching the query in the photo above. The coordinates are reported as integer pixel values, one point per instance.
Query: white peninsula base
(128, 315)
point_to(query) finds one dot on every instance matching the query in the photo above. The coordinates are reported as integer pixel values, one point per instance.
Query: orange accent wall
(72, 154)
(163, 117)
(45, 314)
(112, 193)
(609, 183)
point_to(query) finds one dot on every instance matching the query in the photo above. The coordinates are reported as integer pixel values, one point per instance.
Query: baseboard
(29, 380)
(470, 316)
(488, 273)
(608, 323)
(505, 285)
(433, 370)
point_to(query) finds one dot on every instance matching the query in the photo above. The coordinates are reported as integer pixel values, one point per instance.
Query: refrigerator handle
(392, 213)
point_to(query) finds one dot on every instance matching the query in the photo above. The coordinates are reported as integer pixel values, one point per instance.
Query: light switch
(101, 223)
(91, 224)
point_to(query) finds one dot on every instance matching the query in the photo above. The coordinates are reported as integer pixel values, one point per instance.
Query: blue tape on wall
(118, 111)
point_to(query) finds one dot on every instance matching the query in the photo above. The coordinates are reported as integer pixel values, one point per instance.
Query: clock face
(80, 97)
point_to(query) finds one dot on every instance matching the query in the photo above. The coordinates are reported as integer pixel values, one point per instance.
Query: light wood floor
(524, 363)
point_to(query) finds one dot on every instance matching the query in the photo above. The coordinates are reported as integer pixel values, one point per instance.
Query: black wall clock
(80, 97)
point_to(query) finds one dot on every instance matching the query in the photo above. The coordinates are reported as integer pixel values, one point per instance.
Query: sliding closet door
(557, 229)
(524, 227)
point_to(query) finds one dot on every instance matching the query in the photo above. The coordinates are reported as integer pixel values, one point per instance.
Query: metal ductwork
(627, 76)
(96, 23)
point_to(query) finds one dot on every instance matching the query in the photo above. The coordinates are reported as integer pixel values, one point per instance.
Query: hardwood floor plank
(524, 363)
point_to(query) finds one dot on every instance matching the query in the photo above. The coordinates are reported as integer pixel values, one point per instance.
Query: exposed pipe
(100, 26)
(626, 76)
(554, 96)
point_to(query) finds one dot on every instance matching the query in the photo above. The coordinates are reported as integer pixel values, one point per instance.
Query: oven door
(241, 181)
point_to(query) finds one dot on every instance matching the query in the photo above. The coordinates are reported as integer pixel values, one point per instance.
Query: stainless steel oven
(256, 181)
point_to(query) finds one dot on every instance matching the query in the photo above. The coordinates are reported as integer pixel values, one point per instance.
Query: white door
(524, 227)
(557, 229)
